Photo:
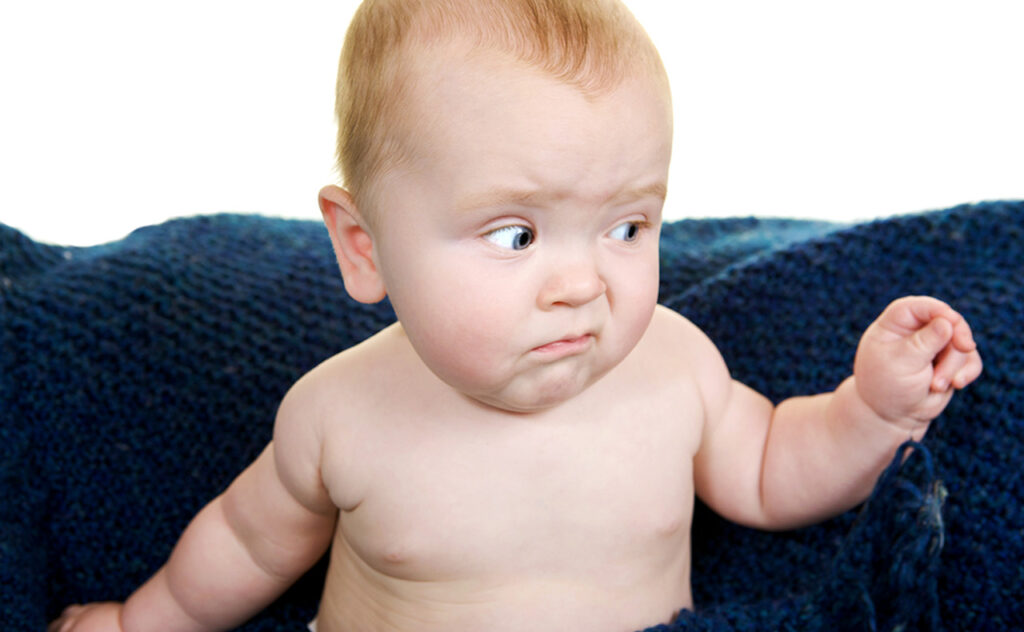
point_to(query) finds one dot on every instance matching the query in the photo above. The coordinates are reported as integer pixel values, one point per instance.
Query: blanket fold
(138, 378)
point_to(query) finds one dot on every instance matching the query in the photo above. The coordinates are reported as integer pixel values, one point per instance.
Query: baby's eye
(511, 237)
(627, 231)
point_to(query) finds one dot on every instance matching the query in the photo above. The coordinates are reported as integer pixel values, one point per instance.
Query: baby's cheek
(464, 354)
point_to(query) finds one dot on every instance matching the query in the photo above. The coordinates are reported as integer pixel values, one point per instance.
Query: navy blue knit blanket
(138, 378)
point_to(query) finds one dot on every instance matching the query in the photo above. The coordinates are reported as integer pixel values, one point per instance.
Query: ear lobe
(353, 245)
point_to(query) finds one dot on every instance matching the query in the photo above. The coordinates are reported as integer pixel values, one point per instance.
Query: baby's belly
(619, 598)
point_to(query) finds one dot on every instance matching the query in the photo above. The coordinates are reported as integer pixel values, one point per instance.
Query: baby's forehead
(592, 44)
(429, 67)
(526, 140)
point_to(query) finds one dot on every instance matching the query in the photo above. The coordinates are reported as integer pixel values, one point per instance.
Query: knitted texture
(139, 377)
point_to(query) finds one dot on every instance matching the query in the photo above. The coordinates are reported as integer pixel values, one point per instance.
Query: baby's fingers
(94, 617)
(969, 372)
(946, 367)
(955, 369)
(930, 341)
(963, 339)
(65, 620)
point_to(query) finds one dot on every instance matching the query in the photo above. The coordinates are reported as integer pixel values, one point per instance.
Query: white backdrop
(119, 113)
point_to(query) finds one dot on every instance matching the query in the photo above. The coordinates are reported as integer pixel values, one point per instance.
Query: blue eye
(511, 237)
(628, 231)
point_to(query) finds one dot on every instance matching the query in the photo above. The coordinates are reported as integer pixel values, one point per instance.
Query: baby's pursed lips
(568, 344)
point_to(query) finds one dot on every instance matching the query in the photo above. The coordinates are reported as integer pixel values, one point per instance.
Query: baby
(521, 450)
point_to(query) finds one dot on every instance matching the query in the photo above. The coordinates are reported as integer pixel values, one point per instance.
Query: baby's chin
(533, 397)
(519, 406)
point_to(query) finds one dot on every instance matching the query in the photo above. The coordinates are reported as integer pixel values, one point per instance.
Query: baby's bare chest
(572, 500)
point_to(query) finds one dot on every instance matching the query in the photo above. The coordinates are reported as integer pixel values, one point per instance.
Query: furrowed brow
(657, 190)
(526, 197)
(500, 197)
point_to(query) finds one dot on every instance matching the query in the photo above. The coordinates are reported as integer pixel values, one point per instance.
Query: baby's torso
(531, 522)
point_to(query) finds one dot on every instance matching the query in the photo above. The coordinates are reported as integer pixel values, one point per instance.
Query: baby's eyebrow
(502, 197)
(658, 190)
(528, 197)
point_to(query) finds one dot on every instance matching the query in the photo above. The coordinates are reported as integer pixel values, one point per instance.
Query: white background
(115, 114)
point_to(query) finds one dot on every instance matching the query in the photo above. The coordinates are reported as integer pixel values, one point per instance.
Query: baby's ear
(353, 245)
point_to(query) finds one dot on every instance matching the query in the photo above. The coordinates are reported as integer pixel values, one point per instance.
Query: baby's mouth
(571, 345)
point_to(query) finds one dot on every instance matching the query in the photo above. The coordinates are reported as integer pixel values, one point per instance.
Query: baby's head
(590, 44)
(507, 162)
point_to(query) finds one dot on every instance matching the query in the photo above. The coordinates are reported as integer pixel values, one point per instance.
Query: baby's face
(519, 242)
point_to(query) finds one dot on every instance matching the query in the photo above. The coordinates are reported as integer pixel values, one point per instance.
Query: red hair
(590, 44)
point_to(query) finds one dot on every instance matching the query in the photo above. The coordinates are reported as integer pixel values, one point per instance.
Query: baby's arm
(813, 457)
(240, 552)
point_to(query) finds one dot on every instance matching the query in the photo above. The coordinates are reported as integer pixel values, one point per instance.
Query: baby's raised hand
(912, 358)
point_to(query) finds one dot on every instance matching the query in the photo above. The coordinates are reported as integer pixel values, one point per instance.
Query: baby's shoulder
(357, 378)
(676, 340)
(333, 408)
(685, 352)
(677, 349)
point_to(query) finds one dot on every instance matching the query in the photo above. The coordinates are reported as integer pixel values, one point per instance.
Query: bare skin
(455, 516)
(501, 532)
(523, 450)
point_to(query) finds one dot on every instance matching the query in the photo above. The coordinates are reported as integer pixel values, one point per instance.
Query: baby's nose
(571, 285)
